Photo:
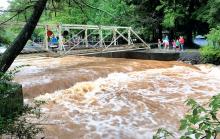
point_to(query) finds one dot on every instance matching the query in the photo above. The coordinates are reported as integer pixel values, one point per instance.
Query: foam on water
(210, 69)
(133, 104)
(41, 80)
(28, 71)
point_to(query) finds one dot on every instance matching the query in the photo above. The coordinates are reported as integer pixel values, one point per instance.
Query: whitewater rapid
(119, 98)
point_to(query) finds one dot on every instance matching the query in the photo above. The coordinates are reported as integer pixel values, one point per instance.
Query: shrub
(201, 122)
(21, 126)
(18, 124)
(210, 54)
(214, 36)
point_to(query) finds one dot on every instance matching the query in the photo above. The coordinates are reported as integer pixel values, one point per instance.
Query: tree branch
(19, 12)
(81, 8)
(93, 7)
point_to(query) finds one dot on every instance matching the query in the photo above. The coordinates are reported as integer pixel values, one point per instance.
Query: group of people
(177, 44)
(53, 40)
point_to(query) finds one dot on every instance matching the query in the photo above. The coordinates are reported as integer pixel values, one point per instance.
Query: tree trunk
(189, 31)
(160, 28)
(190, 24)
(17, 46)
(172, 34)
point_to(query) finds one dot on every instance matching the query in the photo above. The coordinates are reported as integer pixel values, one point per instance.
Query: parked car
(200, 40)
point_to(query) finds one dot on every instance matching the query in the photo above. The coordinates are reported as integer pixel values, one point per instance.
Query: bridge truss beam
(115, 31)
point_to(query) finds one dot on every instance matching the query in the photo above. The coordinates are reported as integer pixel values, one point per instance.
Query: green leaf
(217, 129)
(198, 135)
(195, 112)
(191, 102)
(183, 124)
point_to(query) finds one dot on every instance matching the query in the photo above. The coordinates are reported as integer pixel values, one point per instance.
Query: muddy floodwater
(106, 98)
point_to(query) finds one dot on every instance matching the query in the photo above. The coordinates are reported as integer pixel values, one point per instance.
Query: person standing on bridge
(159, 44)
(166, 43)
(177, 44)
(174, 44)
(182, 41)
(54, 40)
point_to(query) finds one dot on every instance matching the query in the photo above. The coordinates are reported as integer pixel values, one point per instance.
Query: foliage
(214, 36)
(6, 77)
(172, 13)
(101, 12)
(19, 124)
(146, 19)
(210, 54)
(4, 36)
(146, 16)
(162, 134)
(9, 76)
(209, 12)
(79, 12)
(170, 18)
(200, 122)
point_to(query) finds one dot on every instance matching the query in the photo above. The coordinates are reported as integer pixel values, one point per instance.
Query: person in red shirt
(182, 41)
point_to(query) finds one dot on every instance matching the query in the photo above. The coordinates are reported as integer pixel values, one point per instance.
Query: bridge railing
(114, 33)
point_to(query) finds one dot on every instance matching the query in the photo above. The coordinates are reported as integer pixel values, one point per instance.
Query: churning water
(94, 98)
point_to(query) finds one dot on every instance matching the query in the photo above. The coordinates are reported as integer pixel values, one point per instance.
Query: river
(107, 98)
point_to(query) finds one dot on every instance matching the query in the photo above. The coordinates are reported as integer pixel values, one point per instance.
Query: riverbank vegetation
(201, 121)
(17, 120)
(211, 53)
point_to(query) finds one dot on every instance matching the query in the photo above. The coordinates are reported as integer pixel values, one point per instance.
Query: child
(159, 44)
(166, 43)
(54, 40)
(177, 45)
(174, 45)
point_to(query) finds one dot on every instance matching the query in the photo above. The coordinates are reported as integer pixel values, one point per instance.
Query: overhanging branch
(18, 12)
(93, 7)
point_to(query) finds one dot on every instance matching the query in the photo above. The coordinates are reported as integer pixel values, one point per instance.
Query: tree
(82, 15)
(14, 50)
(115, 12)
(209, 13)
(189, 16)
(186, 17)
(148, 19)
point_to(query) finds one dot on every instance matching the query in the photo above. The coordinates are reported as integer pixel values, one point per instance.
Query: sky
(4, 4)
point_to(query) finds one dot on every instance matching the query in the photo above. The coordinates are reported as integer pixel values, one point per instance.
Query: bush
(210, 54)
(21, 126)
(22, 123)
(201, 122)
(214, 36)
